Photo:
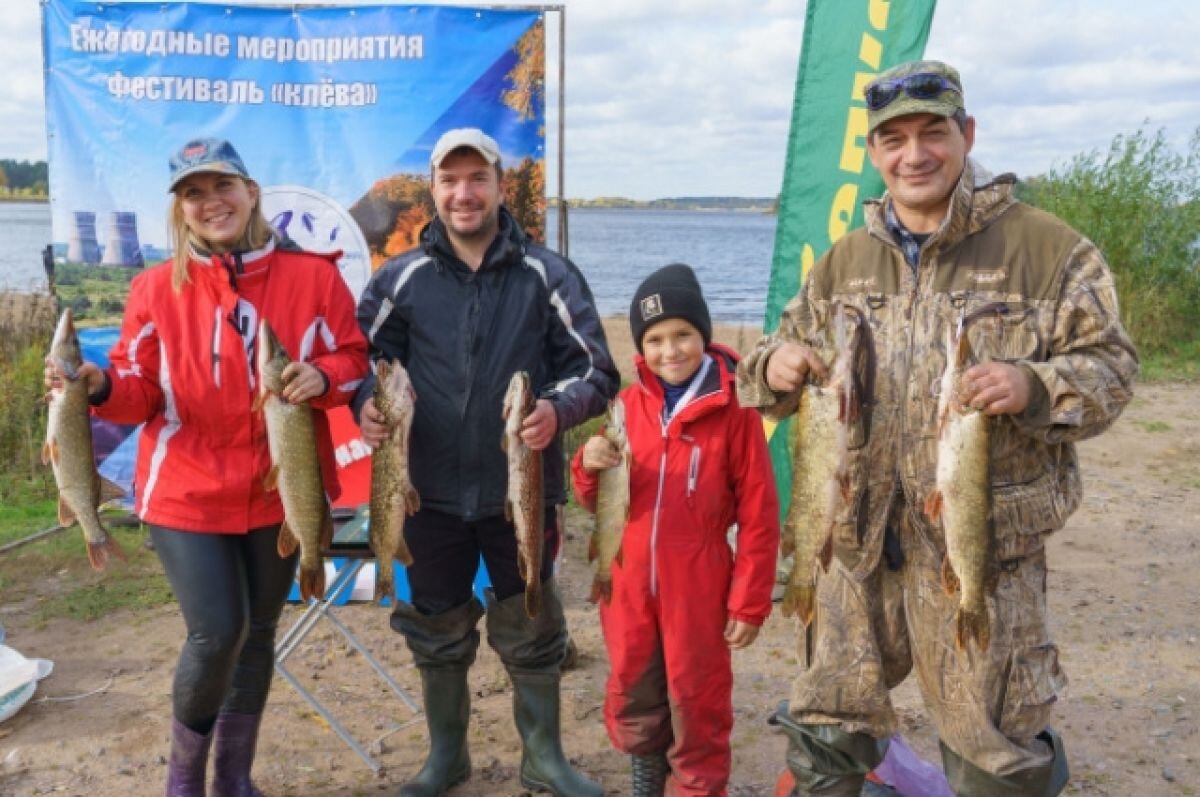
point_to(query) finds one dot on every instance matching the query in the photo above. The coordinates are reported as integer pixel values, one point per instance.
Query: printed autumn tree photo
(396, 208)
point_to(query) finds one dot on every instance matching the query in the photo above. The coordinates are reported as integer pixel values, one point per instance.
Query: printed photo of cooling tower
(121, 246)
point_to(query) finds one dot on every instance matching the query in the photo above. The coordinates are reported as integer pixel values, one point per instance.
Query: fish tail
(384, 588)
(99, 552)
(972, 624)
(312, 581)
(799, 601)
(950, 583)
(533, 599)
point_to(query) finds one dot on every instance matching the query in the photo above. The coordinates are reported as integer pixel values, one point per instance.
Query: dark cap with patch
(206, 155)
(671, 292)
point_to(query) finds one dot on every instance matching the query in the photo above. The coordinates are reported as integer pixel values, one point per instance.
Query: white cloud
(675, 97)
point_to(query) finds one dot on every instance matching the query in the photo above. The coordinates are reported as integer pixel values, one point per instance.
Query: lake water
(615, 249)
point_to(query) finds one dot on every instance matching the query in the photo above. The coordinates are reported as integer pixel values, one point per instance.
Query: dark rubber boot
(532, 651)
(443, 647)
(189, 760)
(824, 760)
(650, 775)
(544, 768)
(447, 714)
(968, 780)
(235, 739)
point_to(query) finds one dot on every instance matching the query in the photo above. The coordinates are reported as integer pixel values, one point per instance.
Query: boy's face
(673, 350)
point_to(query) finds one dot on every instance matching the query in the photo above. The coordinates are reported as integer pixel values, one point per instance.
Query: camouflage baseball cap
(913, 87)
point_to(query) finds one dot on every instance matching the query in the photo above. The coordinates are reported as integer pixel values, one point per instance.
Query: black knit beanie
(671, 292)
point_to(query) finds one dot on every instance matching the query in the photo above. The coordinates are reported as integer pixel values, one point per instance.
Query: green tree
(3, 180)
(1140, 203)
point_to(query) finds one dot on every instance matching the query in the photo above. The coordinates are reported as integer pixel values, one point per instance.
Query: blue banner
(333, 109)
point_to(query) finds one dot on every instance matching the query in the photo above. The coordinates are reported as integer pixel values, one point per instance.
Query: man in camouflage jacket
(1054, 366)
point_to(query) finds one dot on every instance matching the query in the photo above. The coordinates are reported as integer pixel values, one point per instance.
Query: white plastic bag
(18, 679)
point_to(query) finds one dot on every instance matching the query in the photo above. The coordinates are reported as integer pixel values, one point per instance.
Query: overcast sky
(694, 97)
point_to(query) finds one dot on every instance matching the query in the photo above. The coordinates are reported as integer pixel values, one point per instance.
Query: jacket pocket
(1022, 514)
(1001, 330)
(1035, 682)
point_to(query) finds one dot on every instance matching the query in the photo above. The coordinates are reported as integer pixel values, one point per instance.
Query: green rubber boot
(968, 780)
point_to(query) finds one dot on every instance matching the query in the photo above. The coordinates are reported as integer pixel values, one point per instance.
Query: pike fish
(393, 496)
(820, 478)
(295, 466)
(961, 498)
(68, 449)
(612, 505)
(523, 502)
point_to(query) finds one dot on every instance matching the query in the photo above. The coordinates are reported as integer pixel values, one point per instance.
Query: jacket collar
(979, 199)
(715, 391)
(207, 258)
(507, 248)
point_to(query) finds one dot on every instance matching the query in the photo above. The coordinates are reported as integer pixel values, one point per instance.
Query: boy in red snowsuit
(681, 599)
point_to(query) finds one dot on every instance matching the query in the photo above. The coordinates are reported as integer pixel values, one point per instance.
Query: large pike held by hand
(612, 505)
(393, 496)
(68, 449)
(961, 499)
(523, 502)
(820, 481)
(295, 467)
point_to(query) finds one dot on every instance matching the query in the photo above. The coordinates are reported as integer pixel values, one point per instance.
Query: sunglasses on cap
(921, 86)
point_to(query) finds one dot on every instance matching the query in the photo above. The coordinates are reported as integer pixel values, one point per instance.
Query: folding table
(347, 555)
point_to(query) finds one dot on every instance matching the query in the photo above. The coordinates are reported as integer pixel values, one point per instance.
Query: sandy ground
(1124, 595)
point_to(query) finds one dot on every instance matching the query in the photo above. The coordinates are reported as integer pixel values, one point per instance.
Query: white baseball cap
(471, 137)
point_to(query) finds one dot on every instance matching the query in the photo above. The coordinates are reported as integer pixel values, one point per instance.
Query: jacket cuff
(755, 620)
(1037, 410)
(101, 395)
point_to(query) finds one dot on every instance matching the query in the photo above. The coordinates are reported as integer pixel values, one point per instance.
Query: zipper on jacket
(662, 475)
(218, 322)
(693, 471)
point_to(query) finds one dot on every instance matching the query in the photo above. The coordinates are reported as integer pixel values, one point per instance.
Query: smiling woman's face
(217, 207)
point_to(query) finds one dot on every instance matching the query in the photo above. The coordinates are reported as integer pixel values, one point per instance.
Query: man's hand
(372, 425)
(996, 388)
(301, 382)
(739, 634)
(789, 365)
(599, 454)
(90, 373)
(540, 425)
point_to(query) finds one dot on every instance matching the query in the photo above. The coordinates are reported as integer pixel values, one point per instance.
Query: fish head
(518, 400)
(614, 422)
(64, 346)
(394, 395)
(271, 359)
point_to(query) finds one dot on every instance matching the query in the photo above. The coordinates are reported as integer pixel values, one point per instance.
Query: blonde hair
(258, 231)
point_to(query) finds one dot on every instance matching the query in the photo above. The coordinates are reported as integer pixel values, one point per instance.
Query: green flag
(827, 174)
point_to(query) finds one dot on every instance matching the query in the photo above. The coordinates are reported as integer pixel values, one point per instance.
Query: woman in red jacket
(681, 599)
(184, 365)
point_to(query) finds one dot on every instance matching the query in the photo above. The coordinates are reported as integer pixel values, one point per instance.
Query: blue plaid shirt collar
(909, 243)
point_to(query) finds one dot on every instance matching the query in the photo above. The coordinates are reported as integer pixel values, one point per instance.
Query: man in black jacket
(474, 303)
